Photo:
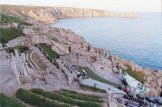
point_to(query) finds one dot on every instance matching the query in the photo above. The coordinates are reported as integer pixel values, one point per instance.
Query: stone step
(37, 50)
(41, 55)
(46, 61)
(43, 58)
(50, 65)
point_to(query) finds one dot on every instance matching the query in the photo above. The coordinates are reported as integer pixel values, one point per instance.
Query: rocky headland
(49, 15)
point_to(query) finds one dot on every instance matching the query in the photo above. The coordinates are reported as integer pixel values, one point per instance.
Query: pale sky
(114, 5)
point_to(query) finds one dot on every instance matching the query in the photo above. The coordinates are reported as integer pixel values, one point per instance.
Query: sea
(135, 39)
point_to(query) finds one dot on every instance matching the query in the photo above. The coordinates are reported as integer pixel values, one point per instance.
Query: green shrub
(21, 49)
(68, 100)
(7, 34)
(47, 49)
(52, 55)
(6, 101)
(82, 97)
(37, 100)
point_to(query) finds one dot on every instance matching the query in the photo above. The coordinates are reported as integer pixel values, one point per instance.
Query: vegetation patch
(12, 19)
(28, 63)
(50, 54)
(136, 74)
(92, 75)
(7, 34)
(79, 94)
(93, 89)
(47, 49)
(82, 97)
(21, 49)
(38, 100)
(65, 99)
(6, 101)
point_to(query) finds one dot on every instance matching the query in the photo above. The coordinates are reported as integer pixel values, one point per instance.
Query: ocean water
(138, 40)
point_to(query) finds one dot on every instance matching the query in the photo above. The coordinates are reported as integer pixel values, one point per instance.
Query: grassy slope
(80, 94)
(136, 74)
(6, 101)
(38, 97)
(96, 77)
(7, 34)
(12, 19)
(38, 100)
(21, 49)
(51, 55)
(47, 49)
(82, 102)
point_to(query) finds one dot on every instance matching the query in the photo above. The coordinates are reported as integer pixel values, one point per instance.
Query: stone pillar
(27, 57)
(23, 57)
(16, 53)
(109, 96)
(14, 68)
(27, 68)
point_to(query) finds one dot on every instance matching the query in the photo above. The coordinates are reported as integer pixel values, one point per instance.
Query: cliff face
(52, 14)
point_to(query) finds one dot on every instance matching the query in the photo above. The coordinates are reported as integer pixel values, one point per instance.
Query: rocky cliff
(52, 14)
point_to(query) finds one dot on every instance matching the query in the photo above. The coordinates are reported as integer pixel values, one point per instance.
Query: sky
(113, 5)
